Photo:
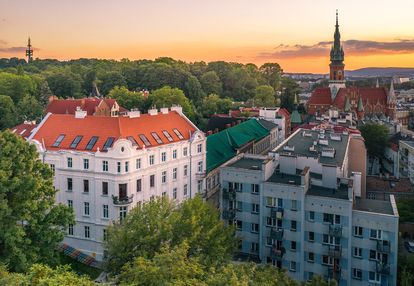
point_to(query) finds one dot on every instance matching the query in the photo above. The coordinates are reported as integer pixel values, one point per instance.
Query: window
(294, 205)
(151, 160)
(122, 212)
(270, 221)
(293, 225)
(292, 266)
(104, 188)
(91, 142)
(327, 260)
(374, 255)
(163, 156)
(255, 208)
(104, 235)
(58, 140)
(105, 211)
(199, 148)
(254, 247)
(356, 273)
(118, 167)
(132, 140)
(185, 151)
(239, 206)
(85, 164)
(70, 203)
(374, 277)
(280, 203)
(70, 162)
(357, 252)
(164, 194)
(328, 218)
(87, 232)
(174, 193)
(175, 174)
(311, 236)
(52, 167)
(255, 227)
(138, 164)
(312, 216)
(311, 256)
(185, 190)
(358, 231)
(75, 142)
(174, 155)
(255, 188)
(199, 185)
(293, 245)
(332, 240)
(69, 184)
(185, 170)
(178, 133)
(144, 139)
(156, 137)
(126, 167)
(239, 225)
(86, 186)
(375, 234)
(164, 177)
(86, 208)
(200, 166)
(167, 135)
(70, 229)
(105, 166)
(139, 185)
(152, 181)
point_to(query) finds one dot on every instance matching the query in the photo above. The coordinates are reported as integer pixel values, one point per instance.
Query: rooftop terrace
(374, 206)
(281, 178)
(340, 193)
(248, 163)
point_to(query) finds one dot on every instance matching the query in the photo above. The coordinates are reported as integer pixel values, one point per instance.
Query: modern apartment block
(301, 209)
(106, 165)
(406, 159)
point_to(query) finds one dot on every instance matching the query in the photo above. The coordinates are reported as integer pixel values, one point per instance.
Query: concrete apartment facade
(300, 210)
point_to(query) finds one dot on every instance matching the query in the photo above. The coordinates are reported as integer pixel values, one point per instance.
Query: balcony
(200, 175)
(276, 212)
(334, 272)
(383, 268)
(229, 194)
(383, 246)
(229, 214)
(277, 253)
(121, 201)
(335, 230)
(335, 251)
(276, 233)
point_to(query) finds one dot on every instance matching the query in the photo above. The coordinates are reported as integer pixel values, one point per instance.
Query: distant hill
(381, 72)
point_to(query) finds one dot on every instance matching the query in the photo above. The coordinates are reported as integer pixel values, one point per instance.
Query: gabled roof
(116, 127)
(68, 106)
(222, 146)
(295, 117)
(321, 95)
(24, 129)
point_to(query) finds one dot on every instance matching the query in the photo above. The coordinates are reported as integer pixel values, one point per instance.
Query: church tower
(29, 51)
(391, 102)
(337, 66)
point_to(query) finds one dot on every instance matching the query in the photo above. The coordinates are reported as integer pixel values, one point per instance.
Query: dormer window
(59, 140)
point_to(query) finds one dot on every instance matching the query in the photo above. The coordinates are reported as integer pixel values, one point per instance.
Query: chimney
(134, 113)
(152, 111)
(79, 113)
(164, 110)
(177, 108)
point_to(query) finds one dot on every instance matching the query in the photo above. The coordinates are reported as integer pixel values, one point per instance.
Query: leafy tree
(167, 96)
(193, 90)
(29, 109)
(405, 210)
(39, 274)
(88, 81)
(160, 223)
(64, 83)
(211, 83)
(31, 224)
(272, 72)
(127, 99)
(44, 93)
(265, 96)
(289, 89)
(109, 80)
(16, 86)
(213, 104)
(8, 112)
(376, 138)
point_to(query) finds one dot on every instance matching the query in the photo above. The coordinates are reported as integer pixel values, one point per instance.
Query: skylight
(76, 141)
(108, 143)
(92, 142)
(58, 140)
(132, 140)
(167, 135)
(156, 137)
(178, 133)
(144, 139)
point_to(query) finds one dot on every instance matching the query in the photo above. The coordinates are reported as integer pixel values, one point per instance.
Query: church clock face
(339, 72)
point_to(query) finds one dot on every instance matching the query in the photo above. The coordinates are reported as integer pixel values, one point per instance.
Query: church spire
(336, 67)
(337, 52)
(29, 51)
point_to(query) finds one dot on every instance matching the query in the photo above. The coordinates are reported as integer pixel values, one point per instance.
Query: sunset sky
(294, 33)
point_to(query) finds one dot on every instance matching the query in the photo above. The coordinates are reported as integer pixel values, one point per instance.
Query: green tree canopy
(8, 114)
(272, 72)
(29, 109)
(16, 86)
(211, 83)
(214, 104)
(167, 96)
(31, 223)
(109, 80)
(127, 99)
(376, 138)
(264, 96)
(64, 83)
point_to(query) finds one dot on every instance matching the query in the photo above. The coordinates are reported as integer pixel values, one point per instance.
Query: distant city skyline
(297, 34)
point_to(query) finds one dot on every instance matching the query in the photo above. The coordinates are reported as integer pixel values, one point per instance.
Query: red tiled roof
(68, 106)
(284, 112)
(321, 95)
(105, 126)
(24, 129)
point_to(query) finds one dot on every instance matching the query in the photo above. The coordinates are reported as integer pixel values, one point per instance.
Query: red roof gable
(117, 127)
(24, 129)
(321, 95)
(68, 106)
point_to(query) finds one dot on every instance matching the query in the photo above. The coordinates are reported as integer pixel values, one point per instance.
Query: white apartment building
(275, 115)
(104, 166)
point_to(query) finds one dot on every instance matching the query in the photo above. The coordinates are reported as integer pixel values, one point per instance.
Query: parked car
(410, 246)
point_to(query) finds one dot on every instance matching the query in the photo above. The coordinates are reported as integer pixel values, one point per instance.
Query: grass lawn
(80, 268)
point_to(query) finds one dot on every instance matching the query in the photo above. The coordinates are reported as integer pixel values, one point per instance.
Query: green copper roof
(295, 117)
(222, 146)
(360, 105)
(347, 105)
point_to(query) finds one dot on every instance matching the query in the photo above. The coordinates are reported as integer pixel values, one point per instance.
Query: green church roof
(347, 107)
(222, 146)
(295, 117)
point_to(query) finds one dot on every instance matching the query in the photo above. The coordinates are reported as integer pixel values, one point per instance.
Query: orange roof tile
(24, 129)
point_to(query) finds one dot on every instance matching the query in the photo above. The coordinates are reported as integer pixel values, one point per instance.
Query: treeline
(209, 87)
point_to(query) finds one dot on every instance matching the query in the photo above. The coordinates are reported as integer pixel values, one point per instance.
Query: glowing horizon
(294, 34)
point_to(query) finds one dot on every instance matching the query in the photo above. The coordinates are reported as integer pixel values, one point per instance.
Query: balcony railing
(229, 194)
(277, 253)
(229, 214)
(335, 251)
(200, 175)
(276, 233)
(335, 230)
(276, 212)
(383, 246)
(334, 272)
(125, 200)
(383, 268)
